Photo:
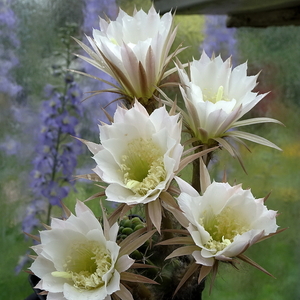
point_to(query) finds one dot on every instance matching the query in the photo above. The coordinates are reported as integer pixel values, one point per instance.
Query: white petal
(186, 187)
(114, 283)
(55, 296)
(124, 263)
(201, 260)
(71, 293)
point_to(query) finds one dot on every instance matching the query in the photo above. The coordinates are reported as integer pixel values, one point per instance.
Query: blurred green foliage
(275, 51)
(39, 25)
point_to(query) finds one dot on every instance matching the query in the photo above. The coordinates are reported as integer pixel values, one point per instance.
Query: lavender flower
(56, 159)
(93, 9)
(218, 38)
(8, 60)
(10, 146)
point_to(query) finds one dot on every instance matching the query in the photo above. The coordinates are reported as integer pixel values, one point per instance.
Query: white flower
(216, 97)
(77, 260)
(138, 154)
(134, 50)
(224, 221)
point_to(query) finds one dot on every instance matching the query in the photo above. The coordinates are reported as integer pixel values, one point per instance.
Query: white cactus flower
(139, 154)
(134, 50)
(216, 97)
(78, 260)
(224, 221)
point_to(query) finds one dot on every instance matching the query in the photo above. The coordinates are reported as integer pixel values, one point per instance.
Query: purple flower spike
(218, 38)
(55, 193)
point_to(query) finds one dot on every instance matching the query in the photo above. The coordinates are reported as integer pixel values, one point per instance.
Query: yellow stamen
(143, 166)
(208, 95)
(223, 227)
(114, 41)
(86, 263)
(220, 92)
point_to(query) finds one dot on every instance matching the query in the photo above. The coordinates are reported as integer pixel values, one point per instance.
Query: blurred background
(41, 106)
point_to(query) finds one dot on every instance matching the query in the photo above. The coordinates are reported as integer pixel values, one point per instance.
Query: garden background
(35, 49)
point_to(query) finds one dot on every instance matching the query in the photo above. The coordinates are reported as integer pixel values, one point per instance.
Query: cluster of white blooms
(139, 155)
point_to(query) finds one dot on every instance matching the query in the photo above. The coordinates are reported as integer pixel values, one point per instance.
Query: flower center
(223, 228)
(86, 263)
(143, 166)
(214, 98)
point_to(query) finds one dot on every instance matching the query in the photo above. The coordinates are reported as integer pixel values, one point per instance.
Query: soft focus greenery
(276, 172)
(274, 50)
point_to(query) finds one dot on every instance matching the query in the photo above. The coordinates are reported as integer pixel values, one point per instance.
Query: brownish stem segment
(196, 169)
(196, 166)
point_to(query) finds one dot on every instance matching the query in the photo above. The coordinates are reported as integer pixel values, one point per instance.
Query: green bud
(139, 226)
(127, 223)
(127, 231)
(135, 221)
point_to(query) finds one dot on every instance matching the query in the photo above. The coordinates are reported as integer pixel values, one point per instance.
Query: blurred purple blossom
(23, 260)
(218, 38)
(9, 42)
(54, 193)
(10, 146)
(93, 9)
(55, 157)
(33, 210)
